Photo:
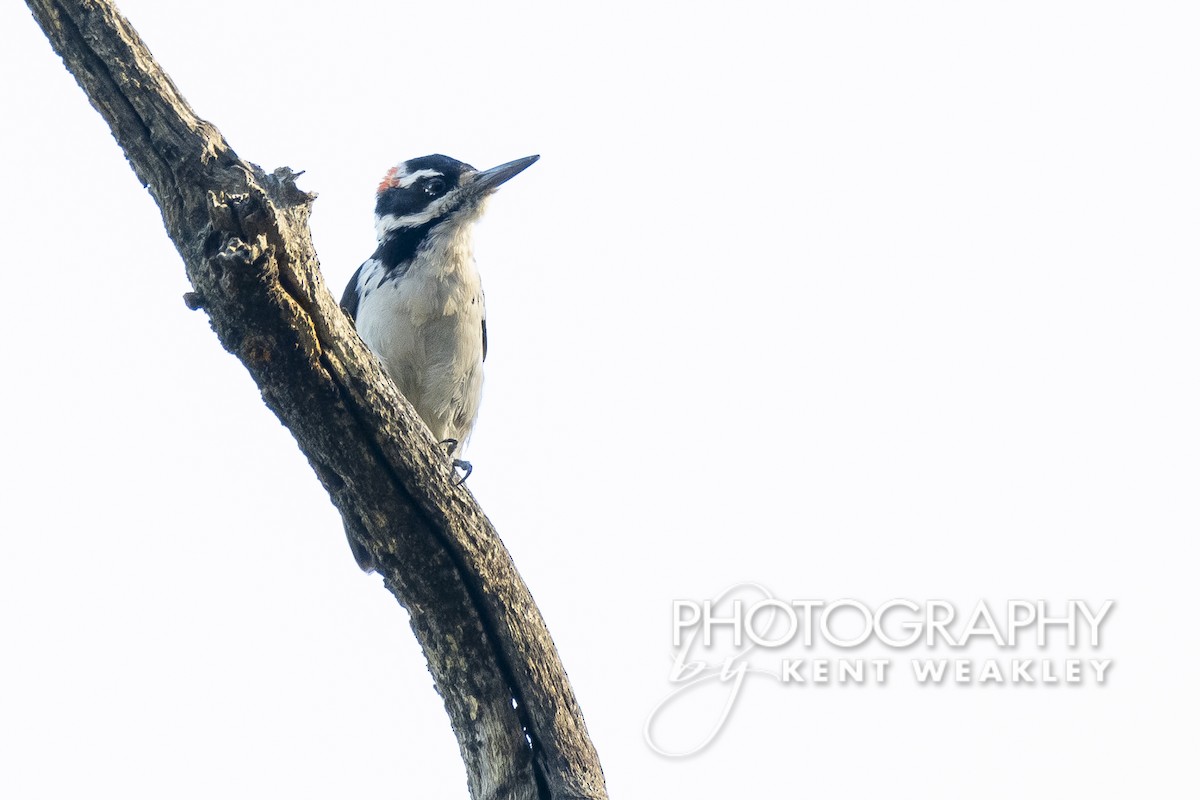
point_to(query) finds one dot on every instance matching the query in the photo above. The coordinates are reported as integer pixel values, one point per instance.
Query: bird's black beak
(487, 180)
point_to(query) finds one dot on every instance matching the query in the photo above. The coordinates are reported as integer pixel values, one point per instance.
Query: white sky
(860, 299)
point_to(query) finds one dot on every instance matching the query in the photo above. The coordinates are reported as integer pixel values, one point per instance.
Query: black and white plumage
(417, 302)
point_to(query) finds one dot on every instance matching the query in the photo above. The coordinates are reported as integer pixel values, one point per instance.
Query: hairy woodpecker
(418, 301)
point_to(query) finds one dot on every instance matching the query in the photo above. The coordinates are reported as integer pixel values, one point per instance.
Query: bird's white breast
(426, 326)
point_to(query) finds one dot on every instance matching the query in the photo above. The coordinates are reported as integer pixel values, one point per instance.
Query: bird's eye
(435, 186)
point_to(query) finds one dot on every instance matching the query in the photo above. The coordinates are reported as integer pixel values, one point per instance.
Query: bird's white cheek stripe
(390, 222)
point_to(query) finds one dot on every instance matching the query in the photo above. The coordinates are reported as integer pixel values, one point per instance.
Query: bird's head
(433, 189)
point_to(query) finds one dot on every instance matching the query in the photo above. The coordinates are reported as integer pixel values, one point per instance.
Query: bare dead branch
(247, 249)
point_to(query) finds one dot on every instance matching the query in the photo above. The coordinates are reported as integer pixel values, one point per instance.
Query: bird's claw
(457, 463)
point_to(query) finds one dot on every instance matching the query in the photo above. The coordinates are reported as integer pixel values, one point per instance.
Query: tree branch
(247, 249)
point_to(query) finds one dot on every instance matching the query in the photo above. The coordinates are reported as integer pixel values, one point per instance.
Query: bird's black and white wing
(351, 296)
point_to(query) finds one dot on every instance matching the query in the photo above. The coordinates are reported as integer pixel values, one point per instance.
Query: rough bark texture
(245, 242)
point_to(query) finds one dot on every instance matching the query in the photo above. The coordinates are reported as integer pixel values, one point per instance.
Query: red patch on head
(389, 180)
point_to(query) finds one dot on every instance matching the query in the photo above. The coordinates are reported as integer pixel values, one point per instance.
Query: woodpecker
(417, 302)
